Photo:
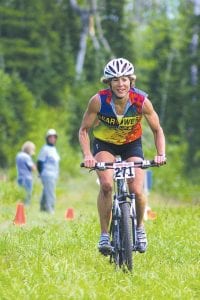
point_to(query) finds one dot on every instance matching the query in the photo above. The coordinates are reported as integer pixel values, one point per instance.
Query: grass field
(54, 258)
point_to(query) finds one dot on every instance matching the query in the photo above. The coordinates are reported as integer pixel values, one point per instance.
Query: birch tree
(91, 27)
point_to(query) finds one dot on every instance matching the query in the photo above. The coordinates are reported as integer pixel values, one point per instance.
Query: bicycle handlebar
(123, 164)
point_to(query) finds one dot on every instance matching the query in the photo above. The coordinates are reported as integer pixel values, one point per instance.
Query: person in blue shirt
(25, 166)
(48, 168)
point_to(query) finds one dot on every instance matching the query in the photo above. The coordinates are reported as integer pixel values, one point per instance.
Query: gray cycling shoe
(104, 245)
(141, 240)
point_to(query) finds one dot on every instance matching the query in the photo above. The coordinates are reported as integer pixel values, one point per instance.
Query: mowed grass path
(53, 258)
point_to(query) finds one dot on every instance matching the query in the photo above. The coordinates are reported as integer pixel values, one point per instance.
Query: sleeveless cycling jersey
(116, 129)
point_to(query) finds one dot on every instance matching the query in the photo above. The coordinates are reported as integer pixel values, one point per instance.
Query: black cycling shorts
(125, 151)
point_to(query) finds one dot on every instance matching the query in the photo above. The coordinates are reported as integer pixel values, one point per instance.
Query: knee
(106, 187)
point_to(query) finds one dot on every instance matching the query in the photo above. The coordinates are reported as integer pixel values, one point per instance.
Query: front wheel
(115, 242)
(126, 236)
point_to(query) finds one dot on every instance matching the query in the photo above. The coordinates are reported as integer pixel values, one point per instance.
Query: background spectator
(48, 168)
(25, 166)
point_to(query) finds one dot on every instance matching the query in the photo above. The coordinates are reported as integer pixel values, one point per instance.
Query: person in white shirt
(48, 168)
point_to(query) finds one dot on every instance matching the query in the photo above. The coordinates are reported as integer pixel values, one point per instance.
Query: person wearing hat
(25, 166)
(48, 168)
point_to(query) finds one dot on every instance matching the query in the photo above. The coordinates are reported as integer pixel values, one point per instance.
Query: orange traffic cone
(69, 215)
(20, 218)
(151, 215)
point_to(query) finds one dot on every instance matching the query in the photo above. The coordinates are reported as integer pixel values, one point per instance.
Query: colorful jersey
(115, 129)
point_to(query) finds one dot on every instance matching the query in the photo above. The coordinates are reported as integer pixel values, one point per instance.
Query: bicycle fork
(134, 220)
(116, 215)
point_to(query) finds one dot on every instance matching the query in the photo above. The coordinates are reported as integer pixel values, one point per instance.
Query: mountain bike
(123, 222)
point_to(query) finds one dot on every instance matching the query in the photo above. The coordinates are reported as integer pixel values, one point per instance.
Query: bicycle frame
(121, 194)
(120, 197)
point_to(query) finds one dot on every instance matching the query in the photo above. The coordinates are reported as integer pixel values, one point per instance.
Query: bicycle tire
(126, 237)
(115, 242)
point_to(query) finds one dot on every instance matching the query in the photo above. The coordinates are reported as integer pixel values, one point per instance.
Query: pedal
(105, 250)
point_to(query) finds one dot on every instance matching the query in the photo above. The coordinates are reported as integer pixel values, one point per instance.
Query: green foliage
(17, 105)
(10, 193)
(190, 83)
(155, 74)
(118, 29)
(173, 180)
(77, 100)
(37, 38)
(165, 65)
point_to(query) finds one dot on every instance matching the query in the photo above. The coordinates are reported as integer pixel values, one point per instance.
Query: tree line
(52, 54)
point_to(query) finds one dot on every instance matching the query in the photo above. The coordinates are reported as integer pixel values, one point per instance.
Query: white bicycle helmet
(51, 132)
(118, 67)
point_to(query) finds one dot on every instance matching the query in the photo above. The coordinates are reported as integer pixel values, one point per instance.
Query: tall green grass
(53, 258)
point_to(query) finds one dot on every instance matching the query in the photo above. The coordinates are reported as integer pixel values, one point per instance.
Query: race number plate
(124, 170)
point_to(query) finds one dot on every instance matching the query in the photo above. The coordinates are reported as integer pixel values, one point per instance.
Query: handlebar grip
(154, 164)
(82, 165)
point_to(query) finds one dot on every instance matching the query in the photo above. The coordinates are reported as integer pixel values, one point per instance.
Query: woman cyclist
(115, 115)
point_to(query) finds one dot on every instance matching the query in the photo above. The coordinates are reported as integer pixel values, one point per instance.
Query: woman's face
(120, 86)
